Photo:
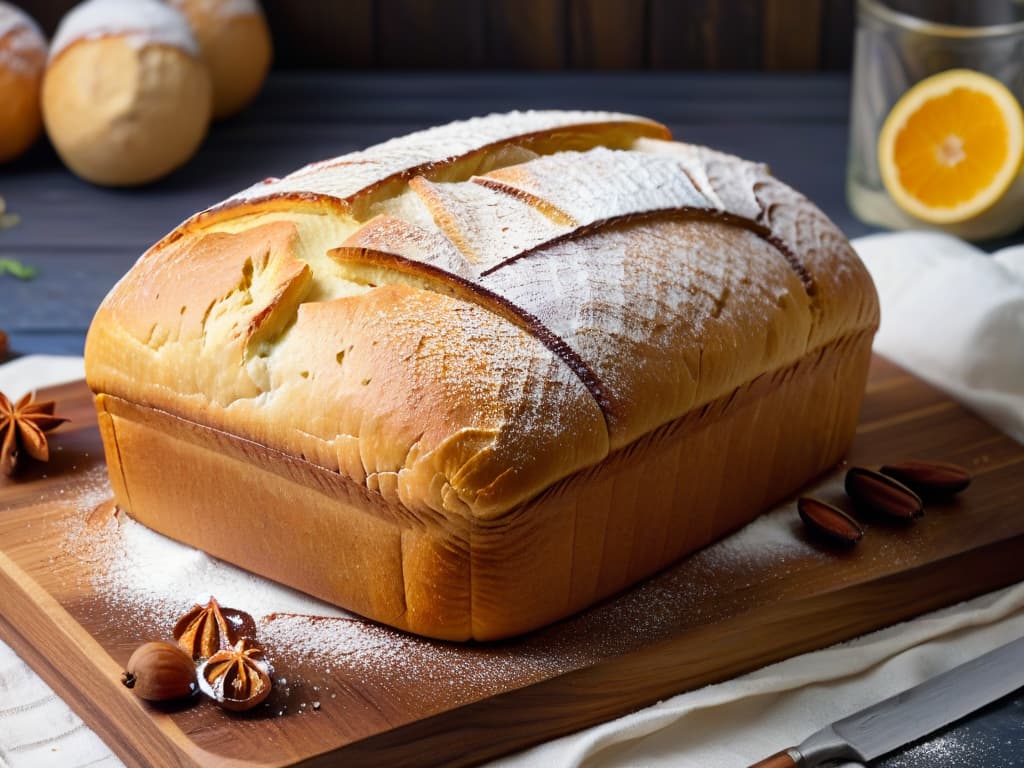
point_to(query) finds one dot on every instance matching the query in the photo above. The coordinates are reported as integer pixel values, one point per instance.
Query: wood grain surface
(730, 608)
(550, 34)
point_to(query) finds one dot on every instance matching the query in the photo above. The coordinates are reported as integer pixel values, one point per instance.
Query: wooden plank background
(550, 34)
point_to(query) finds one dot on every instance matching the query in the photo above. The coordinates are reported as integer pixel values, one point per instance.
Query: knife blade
(912, 714)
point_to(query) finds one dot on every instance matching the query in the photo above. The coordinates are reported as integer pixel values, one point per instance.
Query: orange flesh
(951, 148)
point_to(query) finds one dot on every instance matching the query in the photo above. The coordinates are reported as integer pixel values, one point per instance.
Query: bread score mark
(533, 182)
(319, 185)
(252, 284)
(372, 267)
(391, 250)
(668, 214)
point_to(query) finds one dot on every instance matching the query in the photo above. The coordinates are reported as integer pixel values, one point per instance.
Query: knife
(908, 716)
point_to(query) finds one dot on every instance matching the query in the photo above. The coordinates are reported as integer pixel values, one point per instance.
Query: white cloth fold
(951, 314)
(954, 316)
(37, 729)
(736, 723)
(37, 371)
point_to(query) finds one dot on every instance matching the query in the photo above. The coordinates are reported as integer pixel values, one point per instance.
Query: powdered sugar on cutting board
(361, 650)
(775, 535)
(140, 22)
(23, 47)
(156, 580)
(161, 577)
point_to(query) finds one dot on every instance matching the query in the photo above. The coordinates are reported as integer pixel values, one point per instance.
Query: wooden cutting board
(390, 699)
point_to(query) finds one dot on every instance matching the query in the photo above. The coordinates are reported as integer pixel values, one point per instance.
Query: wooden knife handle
(781, 759)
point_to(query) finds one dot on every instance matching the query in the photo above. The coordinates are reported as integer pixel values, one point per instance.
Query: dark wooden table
(83, 238)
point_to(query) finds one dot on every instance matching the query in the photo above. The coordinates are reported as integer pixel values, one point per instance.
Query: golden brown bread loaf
(474, 379)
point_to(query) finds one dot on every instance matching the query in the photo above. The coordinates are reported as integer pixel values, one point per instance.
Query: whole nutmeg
(160, 672)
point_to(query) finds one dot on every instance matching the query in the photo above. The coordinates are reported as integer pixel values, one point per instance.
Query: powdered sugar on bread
(532, 356)
(224, 9)
(22, 45)
(140, 22)
(641, 265)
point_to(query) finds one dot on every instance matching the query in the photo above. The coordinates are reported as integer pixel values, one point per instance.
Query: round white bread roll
(126, 97)
(22, 61)
(235, 43)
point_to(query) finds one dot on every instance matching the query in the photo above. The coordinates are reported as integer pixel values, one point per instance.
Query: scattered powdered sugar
(777, 536)
(944, 750)
(154, 580)
(146, 571)
(141, 22)
(92, 488)
(24, 47)
(773, 535)
(990, 740)
(370, 652)
(189, 573)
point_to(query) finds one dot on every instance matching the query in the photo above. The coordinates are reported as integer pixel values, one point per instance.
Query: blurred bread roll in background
(22, 61)
(126, 97)
(235, 43)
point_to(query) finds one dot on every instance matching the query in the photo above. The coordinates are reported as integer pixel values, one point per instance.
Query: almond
(929, 478)
(829, 523)
(874, 492)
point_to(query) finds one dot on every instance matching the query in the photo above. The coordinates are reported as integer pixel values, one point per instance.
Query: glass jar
(899, 43)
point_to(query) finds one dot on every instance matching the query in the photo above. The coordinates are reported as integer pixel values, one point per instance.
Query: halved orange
(952, 146)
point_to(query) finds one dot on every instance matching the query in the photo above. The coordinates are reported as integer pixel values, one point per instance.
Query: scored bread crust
(459, 319)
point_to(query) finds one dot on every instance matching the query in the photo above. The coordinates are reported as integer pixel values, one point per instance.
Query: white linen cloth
(951, 314)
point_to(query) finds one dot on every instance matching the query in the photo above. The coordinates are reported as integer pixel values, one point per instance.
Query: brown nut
(237, 678)
(829, 523)
(160, 672)
(930, 479)
(882, 495)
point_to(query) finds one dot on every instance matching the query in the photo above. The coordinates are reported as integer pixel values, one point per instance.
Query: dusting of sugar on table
(156, 580)
(163, 578)
(994, 739)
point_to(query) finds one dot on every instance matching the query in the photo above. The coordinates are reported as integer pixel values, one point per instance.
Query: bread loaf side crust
(585, 538)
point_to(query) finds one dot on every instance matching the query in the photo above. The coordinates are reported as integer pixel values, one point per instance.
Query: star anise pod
(237, 678)
(22, 430)
(204, 630)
